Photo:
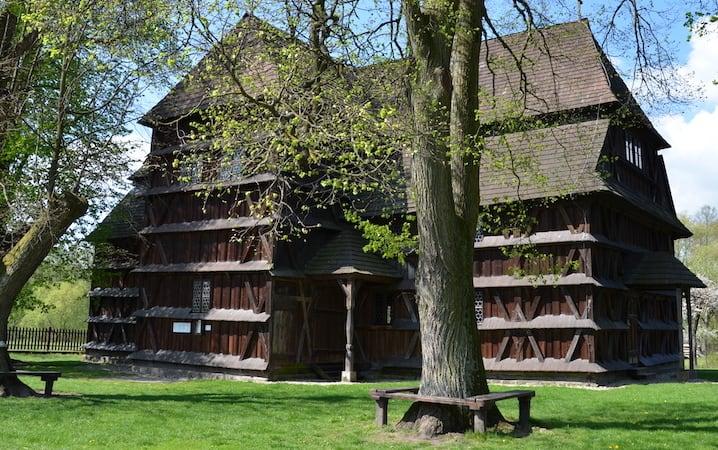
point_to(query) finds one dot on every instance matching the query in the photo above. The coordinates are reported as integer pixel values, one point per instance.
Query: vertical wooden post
(689, 313)
(679, 316)
(349, 287)
(524, 414)
(47, 341)
(480, 420)
(382, 410)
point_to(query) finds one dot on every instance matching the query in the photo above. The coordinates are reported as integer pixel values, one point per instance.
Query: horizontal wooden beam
(545, 280)
(101, 319)
(208, 225)
(201, 359)
(178, 187)
(224, 315)
(115, 292)
(223, 266)
(101, 346)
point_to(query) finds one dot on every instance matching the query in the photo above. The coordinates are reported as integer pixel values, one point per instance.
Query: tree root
(430, 420)
(11, 386)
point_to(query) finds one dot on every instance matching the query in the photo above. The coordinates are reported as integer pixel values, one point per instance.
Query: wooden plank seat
(48, 377)
(477, 404)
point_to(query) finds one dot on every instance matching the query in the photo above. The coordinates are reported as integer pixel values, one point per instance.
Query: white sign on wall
(182, 327)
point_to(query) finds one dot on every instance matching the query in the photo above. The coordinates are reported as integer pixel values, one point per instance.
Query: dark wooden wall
(228, 338)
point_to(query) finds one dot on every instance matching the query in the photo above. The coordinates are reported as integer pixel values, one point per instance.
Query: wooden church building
(173, 289)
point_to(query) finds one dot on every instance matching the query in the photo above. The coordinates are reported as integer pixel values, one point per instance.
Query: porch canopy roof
(657, 269)
(344, 255)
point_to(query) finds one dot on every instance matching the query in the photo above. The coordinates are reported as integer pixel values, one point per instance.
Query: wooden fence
(46, 340)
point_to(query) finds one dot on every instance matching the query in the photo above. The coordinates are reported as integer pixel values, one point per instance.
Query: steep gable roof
(195, 91)
(563, 69)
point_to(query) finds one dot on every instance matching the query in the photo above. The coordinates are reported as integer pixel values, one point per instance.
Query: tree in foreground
(70, 73)
(367, 107)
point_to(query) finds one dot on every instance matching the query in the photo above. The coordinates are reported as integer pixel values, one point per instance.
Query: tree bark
(444, 100)
(20, 263)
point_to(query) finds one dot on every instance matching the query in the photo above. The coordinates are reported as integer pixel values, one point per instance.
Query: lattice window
(230, 168)
(201, 301)
(479, 236)
(479, 306)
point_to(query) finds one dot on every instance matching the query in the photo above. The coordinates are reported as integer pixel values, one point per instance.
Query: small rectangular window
(383, 312)
(634, 150)
(182, 327)
(201, 293)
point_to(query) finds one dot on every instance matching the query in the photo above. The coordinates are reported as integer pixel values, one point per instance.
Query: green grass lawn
(96, 411)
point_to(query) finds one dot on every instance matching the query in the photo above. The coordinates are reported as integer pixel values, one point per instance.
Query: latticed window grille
(479, 236)
(230, 168)
(479, 306)
(201, 290)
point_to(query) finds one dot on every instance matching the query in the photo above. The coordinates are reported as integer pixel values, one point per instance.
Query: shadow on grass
(708, 374)
(262, 399)
(693, 418)
(68, 367)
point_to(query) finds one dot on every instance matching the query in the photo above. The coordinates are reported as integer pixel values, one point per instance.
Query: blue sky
(692, 161)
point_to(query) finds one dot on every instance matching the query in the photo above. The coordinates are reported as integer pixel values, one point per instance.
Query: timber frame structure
(191, 296)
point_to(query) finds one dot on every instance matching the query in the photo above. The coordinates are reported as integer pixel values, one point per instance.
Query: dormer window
(634, 151)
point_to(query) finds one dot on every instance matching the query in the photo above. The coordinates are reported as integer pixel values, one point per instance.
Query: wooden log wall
(626, 228)
(245, 340)
(574, 257)
(560, 337)
(179, 207)
(110, 327)
(229, 290)
(307, 323)
(532, 302)
(207, 246)
(388, 328)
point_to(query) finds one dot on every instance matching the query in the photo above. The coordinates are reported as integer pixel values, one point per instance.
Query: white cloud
(702, 63)
(692, 162)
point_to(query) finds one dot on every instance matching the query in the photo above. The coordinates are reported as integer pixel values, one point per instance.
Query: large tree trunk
(444, 99)
(20, 263)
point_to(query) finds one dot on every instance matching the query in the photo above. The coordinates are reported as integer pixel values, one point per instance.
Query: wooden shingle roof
(124, 221)
(543, 163)
(344, 255)
(197, 90)
(563, 67)
(656, 269)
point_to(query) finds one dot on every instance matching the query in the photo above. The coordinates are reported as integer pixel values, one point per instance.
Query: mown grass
(95, 411)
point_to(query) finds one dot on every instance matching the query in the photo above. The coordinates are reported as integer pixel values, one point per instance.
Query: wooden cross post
(349, 287)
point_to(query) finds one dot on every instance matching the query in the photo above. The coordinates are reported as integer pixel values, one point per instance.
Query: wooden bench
(478, 404)
(48, 377)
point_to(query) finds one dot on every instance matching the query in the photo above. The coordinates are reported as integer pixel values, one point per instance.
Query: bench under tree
(48, 377)
(479, 404)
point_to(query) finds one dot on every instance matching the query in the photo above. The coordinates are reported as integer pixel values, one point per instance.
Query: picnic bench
(477, 404)
(48, 377)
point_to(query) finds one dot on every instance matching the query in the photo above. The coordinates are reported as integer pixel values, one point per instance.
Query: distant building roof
(344, 255)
